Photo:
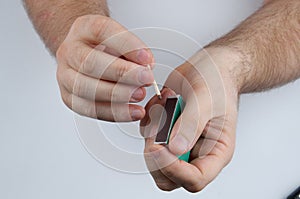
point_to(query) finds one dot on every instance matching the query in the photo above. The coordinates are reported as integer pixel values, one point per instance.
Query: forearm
(268, 45)
(53, 18)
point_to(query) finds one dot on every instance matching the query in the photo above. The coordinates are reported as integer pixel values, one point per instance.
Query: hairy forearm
(52, 19)
(268, 44)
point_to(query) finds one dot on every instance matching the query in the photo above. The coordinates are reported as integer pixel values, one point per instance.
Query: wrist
(233, 64)
(211, 71)
(52, 20)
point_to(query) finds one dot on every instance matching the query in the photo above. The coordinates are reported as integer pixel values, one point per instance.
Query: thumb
(190, 125)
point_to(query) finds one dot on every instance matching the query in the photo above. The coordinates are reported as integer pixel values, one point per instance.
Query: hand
(101, 68)
(206, 126)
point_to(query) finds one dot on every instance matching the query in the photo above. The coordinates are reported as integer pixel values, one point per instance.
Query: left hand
(206, 126)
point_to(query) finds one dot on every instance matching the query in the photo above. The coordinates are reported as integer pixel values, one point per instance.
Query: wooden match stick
(155, 86)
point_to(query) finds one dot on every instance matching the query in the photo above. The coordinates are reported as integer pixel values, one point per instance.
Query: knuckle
(99, 112)
(78, 24)
(100, 25)
(64, 79)
(108, 93)
(90, 111)
(164, 186)
(66, 98)
(82, 56)
(198, 186)
(59, 75)
(121, 71)
(81, 20)
(68, 79)
(88, 63)
(114, 95)
(61, 52)
(195, 187)
(80, 87)
(168, 172)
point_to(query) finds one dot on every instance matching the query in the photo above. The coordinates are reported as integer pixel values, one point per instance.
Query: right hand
(206, 127)
(102, 68)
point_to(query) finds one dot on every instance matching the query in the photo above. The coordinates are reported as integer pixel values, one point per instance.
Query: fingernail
(136, 114)
(137, 95)
(146, 76)
(180, 143)
(142, 56)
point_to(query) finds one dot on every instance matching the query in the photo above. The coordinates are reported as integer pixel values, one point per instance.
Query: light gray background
(41, 155)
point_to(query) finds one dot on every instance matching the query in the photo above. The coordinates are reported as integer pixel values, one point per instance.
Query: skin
(261, 53)
(101, 65)
(258, 55)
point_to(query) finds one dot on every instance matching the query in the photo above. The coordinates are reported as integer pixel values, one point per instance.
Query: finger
(209, 168)
(195, 115)
(218, 138)
(102, 110)
(101, 65)
(160, 179)
(98, 90)
(104, 30)
(211, 138)
(214, 150)
(107, 50)
(162, 182)
(178, 171)
(189, 126)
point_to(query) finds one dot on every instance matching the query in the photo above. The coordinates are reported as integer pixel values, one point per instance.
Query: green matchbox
(173, 109)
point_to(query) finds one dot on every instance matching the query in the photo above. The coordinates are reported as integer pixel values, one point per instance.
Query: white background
(41, 155)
